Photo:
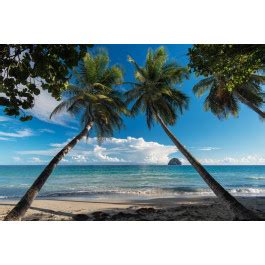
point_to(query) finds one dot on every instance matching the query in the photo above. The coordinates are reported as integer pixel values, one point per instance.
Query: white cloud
(36, 160)
(3, 119)
(243, 160)
(79, 158)
(46, 131)
(43, 107)
(208, 148)
(129, 151)
(4, 139)
(61, 145)
(18, 134)
(100, 153)
(44, 104)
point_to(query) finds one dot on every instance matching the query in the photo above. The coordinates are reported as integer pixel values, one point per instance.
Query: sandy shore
(203, 208)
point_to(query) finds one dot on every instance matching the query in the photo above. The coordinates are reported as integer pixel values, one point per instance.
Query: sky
(235, 141)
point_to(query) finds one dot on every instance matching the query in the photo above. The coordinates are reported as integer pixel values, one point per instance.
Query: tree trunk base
(248, 215)
(12, 217)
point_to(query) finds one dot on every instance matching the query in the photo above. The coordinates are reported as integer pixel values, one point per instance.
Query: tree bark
(250, 105)
(239, 211)
(24, 204)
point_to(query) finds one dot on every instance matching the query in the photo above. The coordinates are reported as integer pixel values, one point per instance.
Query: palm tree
(99, 106)
(222, 102)
(154, 94)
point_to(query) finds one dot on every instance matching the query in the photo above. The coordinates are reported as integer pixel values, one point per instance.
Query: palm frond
(202, 86)
(93, 98)
(260, 79)
(155, 93)
(63, 106)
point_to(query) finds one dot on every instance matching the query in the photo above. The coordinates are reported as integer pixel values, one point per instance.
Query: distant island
(174, 162)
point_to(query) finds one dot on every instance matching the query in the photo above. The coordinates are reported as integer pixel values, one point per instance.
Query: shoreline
(182, 209)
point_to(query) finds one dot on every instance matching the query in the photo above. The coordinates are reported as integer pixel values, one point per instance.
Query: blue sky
(234, 141)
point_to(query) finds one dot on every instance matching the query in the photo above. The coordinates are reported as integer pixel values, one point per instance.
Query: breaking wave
(154, 192)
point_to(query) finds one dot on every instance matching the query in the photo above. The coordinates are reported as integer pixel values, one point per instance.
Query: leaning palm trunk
(24, 204)
(251, 105)
(239, 211)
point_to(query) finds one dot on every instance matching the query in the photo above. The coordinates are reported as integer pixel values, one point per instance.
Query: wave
(155, 192)
(148, 192)
(248, 191)
(258, 178)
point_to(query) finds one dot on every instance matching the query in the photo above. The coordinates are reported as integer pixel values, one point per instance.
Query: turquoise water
(130, 182)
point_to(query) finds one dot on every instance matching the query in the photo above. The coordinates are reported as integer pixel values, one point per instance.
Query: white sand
(162, 209)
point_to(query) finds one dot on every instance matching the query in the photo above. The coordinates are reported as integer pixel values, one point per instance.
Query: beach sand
(164, 209)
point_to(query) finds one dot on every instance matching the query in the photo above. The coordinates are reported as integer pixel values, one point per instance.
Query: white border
(132, 243)
(135, 21)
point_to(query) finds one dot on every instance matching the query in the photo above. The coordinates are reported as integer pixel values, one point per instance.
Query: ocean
(130, 182)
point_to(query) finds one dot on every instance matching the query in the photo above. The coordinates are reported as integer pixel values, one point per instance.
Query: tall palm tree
(222, 102)
(154, 93)
(96, 103)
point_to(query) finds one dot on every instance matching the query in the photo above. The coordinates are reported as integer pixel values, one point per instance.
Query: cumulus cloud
(130, 150)
(114, 150)
(18, 134)
(100, 153)
(79, 158)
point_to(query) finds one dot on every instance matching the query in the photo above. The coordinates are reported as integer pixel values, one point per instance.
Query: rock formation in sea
(174, 162)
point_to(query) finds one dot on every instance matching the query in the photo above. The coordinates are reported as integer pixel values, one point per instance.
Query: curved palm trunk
(251, 105)
(240, 212)
(24, 204)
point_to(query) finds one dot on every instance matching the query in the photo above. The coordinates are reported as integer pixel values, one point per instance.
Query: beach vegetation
(233, 74)
(155, 94)
(25, 69)
(95, 100)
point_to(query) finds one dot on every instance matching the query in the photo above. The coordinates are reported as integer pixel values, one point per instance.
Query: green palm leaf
(155, 93)
(93, 98)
